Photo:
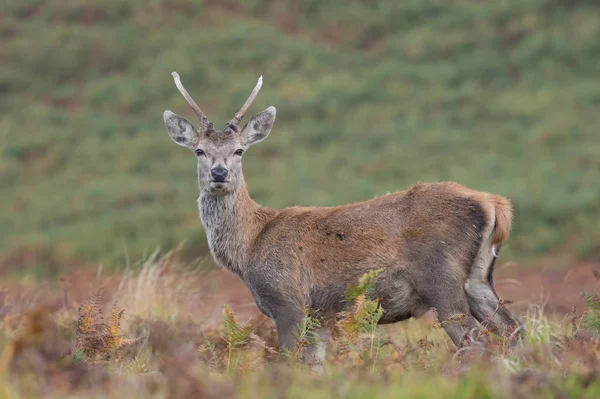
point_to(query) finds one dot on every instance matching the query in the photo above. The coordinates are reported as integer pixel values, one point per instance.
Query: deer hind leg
(443, 291)
(483, 299)
(455, 317)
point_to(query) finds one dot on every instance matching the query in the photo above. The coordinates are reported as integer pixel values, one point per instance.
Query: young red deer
(437, 243)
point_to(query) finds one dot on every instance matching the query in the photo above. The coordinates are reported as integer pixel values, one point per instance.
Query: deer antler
(204, 123)
(240, 114)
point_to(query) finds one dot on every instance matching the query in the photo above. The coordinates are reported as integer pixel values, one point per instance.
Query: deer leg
(285, 310)
(483, 300)
(288, 321)
(492, 314)
(442, 290)
(315, 353)
(456, 319)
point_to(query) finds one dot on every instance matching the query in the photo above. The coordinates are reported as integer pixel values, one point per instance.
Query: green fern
(79, 356)
(366, 286)
(209, 347)
(361, 323)
(135, 366)
(591, 318)
(235, 335)
(307, 333)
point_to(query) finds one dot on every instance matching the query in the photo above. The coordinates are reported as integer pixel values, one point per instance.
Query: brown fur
(503, 218)
(314, 254)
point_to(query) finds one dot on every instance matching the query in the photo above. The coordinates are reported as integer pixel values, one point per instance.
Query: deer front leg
(288, 312)
(290, 325)
(271, 299)
(315, 353)
(288, 322)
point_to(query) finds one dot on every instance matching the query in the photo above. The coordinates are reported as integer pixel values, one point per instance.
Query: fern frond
(112, 332)
(591, 318)
(90, 315)
(234, 335)
(135, 366)
(366, 285)
(97, 339)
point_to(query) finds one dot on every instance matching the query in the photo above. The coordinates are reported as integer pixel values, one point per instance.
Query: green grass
(500, 96)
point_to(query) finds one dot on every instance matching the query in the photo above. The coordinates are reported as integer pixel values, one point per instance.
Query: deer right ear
(181, 131)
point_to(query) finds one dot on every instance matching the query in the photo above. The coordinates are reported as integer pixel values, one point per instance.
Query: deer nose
(218, 174)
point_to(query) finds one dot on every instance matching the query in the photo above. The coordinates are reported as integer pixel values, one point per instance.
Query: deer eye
(199, 152)
(239, 152)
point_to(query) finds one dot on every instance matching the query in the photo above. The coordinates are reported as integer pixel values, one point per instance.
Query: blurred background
(502, 96)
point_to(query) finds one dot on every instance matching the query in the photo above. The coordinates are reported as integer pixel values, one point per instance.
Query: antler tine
(203, 119)
(239, 115)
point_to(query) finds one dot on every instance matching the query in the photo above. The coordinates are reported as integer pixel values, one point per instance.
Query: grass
(65, 348)
(500, 96)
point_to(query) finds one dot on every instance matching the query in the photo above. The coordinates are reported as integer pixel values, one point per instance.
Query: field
(371, 97)
(176, 339)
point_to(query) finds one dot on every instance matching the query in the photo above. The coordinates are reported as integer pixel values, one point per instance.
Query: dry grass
(165, 345)
(160, 288)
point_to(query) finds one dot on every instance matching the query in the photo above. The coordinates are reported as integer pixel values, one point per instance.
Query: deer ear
(259, 127)
(181, 131)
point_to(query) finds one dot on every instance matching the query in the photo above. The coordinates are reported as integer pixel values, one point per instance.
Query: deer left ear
(259, 127)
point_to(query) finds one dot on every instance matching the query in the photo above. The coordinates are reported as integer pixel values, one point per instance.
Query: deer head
(219, 152)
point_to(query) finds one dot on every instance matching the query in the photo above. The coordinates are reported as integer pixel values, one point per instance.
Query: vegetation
(371, 96)
(62, 349)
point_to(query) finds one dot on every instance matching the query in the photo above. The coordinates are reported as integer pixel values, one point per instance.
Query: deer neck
(232, 223)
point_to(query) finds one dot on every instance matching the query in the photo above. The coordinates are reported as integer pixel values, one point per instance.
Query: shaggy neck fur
(232, 223)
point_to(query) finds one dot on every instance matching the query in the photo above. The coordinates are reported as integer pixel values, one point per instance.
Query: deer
(435, 244)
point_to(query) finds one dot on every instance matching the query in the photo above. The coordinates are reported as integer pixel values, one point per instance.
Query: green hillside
(502, 96)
